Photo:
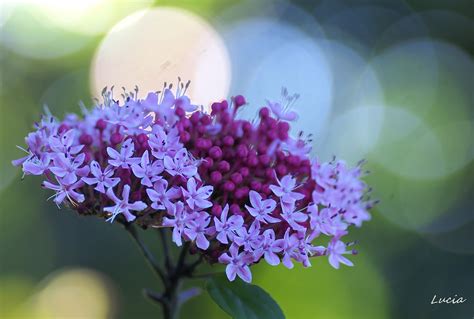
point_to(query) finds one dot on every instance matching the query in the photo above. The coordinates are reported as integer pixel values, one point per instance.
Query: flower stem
(130, 228)
(172, 277)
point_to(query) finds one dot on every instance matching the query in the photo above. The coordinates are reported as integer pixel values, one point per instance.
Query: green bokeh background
(419, 243)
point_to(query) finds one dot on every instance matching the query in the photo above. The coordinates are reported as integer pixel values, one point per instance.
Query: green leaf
(241, 300)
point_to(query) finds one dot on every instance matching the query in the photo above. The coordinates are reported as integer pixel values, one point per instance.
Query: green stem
(146, 253)
(172, 277)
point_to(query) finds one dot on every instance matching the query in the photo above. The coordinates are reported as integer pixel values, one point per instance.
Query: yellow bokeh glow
(154, 46)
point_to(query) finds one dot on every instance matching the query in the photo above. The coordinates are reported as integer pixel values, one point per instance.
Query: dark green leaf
(242, 300)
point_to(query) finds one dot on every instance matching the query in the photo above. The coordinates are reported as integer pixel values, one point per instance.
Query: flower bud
(101, 124)
(116, 138)
(215, 152)
(223, 166)
(228, 140)
(242, 151)
(228, 186)
(142, 138)
(216, 177)
(180, 112)
(194, 118)
(85, 139)
(236, 178)
(264, 112)
(205, 119)
(239, 100)
(216, 210)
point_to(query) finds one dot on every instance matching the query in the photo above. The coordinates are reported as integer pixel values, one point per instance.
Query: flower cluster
(238, 191)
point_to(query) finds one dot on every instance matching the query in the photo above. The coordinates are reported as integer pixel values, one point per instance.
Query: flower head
(236, 191)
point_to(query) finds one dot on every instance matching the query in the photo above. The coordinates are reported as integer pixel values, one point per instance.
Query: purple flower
(150, 103)
(103, 179)
(281, 112)
(297, 147)
(294, 217)
(261, 209)
(248, 238)
(288, 244)
(185, 103)
(197, 229)
(147, 172)
(160, 196)
(237, 264)
(306, 248)
(336, 249)
(269, 247)
(37, 166)
(162, 143)
(197, 198)
(284, 191)
(225, 227)
(180, 164)
(165, 112)
(326, 221)
(65, 190)
(356, 214)
(122, 206)
(178, 222)
(123, 159)
(68, 168)
(63, 143)
(35, 142)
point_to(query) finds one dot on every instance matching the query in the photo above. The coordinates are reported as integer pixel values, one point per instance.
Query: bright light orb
(267, 55)
(154, 46)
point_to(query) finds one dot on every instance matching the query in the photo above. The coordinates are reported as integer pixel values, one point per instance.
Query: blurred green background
(388, 81)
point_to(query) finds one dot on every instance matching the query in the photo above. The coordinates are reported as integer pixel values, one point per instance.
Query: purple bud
(264, 112)
(142, 138)
(224, 105)
(244, 171)
(101, 124)
(241, 192)
(194, 118)
(281, 170)
(256, 185)
(180, 112)
(207, 162)
(184, 136)
(283, 128)
(63, 128)
(223, 166)
(235, 209)
(116, 138)
(236, 178)
(216, 177)
(216, 210)
(252, 161)
(269, 173)
(264, 159)
(215, 108)
(85, 139)
(242, 151)
(215, 152)
(239, 100)
(228, 186)
(228, 140)
(205, 119)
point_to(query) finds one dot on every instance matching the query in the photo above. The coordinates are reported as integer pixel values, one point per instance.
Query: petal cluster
(239, 191)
